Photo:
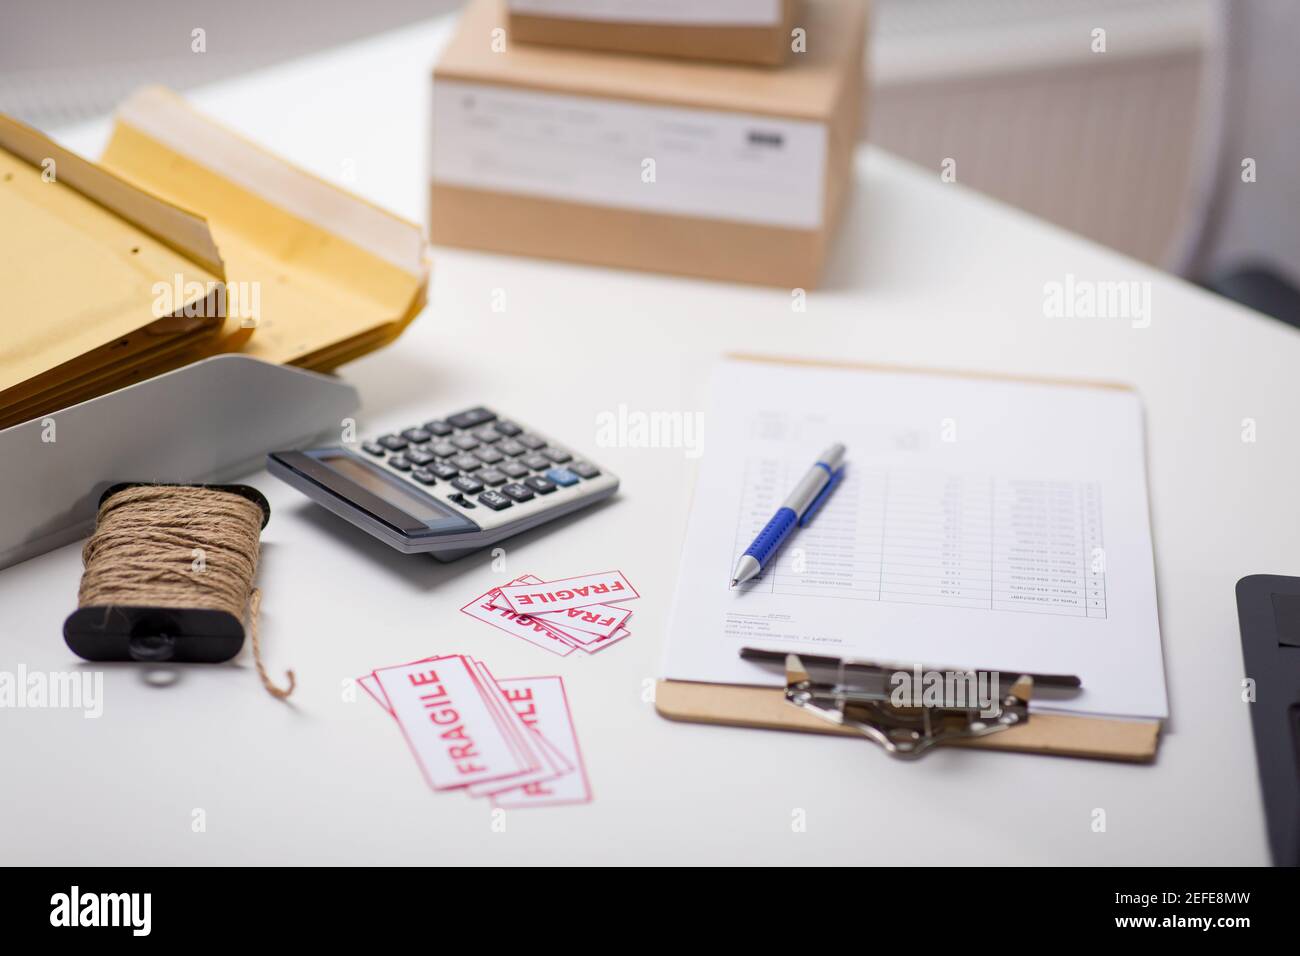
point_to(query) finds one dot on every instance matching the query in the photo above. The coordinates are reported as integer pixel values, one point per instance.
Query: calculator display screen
(418, 506)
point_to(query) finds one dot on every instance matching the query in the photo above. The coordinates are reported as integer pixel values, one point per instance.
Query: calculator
(450, 485)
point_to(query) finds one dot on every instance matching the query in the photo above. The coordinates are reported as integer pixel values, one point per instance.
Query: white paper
(554, 721)
(451, 729)
(661, 159)
(732, 13)
(981, 524)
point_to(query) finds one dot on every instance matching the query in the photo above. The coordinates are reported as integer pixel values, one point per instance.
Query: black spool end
(179, 635)
(244, 491)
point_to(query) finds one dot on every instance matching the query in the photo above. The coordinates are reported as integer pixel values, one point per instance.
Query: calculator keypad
(489, 462)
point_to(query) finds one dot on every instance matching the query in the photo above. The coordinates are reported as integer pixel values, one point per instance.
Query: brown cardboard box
(739, 31)
(702, 169)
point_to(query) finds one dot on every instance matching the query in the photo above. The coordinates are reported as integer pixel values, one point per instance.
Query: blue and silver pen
(807, 497)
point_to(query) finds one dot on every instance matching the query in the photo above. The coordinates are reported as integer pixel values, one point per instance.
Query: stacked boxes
(711, 169)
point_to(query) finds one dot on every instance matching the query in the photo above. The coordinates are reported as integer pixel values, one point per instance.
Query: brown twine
(146, 549)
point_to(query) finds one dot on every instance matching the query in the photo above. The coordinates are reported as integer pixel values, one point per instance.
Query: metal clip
(905, 708)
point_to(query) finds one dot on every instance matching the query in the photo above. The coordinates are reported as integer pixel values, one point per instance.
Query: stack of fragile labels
(183, 242)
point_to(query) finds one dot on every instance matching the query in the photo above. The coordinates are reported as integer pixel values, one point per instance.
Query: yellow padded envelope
(81, 252)
(307, 273)
(330, 269)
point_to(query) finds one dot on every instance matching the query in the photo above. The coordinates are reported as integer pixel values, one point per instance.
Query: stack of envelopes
(183, 242)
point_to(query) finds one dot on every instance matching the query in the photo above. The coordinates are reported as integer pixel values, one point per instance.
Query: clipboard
(771, 708)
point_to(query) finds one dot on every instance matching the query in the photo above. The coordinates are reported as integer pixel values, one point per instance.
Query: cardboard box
(740, 31)
(712, 170)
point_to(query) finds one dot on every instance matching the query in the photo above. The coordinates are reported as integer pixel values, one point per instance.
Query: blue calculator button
(562, 477)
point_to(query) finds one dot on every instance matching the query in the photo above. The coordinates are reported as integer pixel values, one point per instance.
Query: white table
(924, 274)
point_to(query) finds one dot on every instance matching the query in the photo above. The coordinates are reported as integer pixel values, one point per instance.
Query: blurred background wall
(65, 60)
(1012, 90)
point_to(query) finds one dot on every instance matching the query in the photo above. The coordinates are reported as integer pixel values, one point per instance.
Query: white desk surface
(924, 274)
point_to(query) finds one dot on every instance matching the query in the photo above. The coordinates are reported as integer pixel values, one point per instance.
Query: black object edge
(1275, 711)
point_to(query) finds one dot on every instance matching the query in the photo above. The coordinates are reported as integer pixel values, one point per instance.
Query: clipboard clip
(906, 708)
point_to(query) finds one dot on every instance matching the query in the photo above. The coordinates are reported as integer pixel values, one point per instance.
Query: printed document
(982, 523)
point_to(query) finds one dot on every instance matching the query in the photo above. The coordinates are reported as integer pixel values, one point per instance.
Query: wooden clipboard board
(1065, 735)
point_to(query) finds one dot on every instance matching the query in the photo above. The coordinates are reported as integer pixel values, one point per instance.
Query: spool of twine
(178, 546)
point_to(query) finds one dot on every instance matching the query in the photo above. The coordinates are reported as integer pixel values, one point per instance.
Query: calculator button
(536, 462)
(513, 469)
(511, 447)
(444, 471)
(494, 500)
(374, 448)
(424, 476)
(393, 442)
(416, 435)
(419, 456)
(562, 476)
(400, 462)
(471, 486)
(532, 441)
(462, 501)
(466, 462)
(557, 455)
(444, 449)
(465, 442)
(490, 476)
(488, 455)
(517, 492)
(487, 434)
(539, 485)
(438, 428)
(584, 469)
(471, 418)
(507, 428)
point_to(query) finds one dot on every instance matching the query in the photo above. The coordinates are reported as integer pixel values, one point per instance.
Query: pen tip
(734, 582)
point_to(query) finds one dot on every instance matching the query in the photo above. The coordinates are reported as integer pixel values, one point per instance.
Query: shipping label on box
(688, 162)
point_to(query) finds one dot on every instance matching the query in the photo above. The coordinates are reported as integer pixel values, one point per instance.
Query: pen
(797, 510)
